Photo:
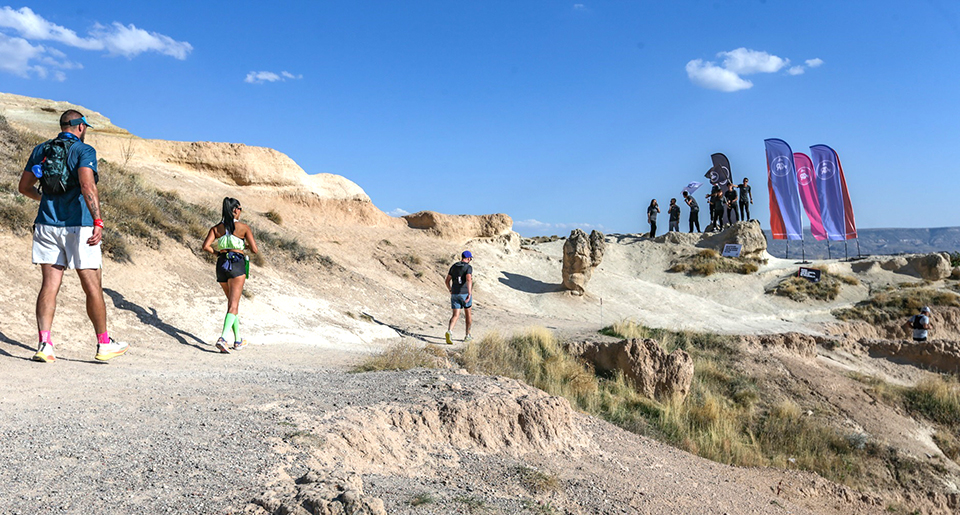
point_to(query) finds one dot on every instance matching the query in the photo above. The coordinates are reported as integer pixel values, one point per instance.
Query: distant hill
(873, 242)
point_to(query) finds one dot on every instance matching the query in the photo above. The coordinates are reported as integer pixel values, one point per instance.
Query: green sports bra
(228, 242)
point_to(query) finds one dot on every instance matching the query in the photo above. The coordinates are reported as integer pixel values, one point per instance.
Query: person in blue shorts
(459, 282)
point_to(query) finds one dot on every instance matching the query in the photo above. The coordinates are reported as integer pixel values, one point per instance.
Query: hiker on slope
(68, 229)
(459, 283)
(920, 324)
(228, 240)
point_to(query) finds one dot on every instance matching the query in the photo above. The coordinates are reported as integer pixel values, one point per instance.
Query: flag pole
(845, 255)
(859, 255)
(828, 249)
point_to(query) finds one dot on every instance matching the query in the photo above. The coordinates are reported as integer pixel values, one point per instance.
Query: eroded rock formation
(654, 372)
(748, 234)
(581, 255)
(460, 227)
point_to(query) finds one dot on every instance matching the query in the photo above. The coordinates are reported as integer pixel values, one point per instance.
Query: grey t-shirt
(674, 213)
(652, 213)
(693, 204)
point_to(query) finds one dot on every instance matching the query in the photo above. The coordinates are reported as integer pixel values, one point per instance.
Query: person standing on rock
(730, 205)
(652, 211)
(674, 212)
(228, 240)
(920, 324)
(745, 193)
(459, 283)
(68, 229)
(716, 207)
(694, 211)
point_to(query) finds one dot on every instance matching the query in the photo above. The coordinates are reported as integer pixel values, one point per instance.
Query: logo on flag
(804, 175)
(825, 170)
(780, 166)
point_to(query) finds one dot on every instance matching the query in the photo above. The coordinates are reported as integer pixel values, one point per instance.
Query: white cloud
(19, 56)
(129, 41)
(398, 212)
(536, 227)
(579, 6)
(727, 76)
(30, 25)
(711, 76)
(743, 61)
(264, 76)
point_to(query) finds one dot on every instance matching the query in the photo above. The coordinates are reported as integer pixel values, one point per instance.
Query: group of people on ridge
(723, 202)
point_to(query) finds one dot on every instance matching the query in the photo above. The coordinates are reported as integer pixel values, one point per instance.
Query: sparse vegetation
(888, 305)
(303, 437)
(538, 481)
(800, 289)
(934, 399)
(707, 262)
(422, 498)
(404, 356)
(274, 217)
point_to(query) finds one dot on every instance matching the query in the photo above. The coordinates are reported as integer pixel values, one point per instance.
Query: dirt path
(173, 428)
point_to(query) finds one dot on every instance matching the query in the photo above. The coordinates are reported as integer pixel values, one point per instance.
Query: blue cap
(466, 254)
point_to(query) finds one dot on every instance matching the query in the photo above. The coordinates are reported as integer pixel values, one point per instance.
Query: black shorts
(237, 266)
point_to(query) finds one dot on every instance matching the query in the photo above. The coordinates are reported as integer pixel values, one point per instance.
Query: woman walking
(228, 240)
(652, 213)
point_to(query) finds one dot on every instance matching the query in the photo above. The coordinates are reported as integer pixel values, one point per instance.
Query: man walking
(745, 193)
(68, 229)
(694, 210)
(674, 212)
(920, 324)
(459, 282)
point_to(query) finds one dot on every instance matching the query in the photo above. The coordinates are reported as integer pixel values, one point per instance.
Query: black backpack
(56, 178)
(917, 322)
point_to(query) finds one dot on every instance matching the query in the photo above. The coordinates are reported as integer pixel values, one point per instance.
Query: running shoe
(240, 344)
(45, 353)
(222, 346)
(449, 338)
(468, 339)
(111, 350)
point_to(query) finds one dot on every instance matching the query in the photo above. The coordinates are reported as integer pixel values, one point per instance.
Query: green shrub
(888, 305)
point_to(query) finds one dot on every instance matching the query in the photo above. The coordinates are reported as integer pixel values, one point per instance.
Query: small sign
(732, 250)
(810, 274)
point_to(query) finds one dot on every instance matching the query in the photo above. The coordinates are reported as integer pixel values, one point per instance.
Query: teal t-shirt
(68, 209)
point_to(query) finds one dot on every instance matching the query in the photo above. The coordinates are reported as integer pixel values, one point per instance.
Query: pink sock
(103, 339)
(45, 337)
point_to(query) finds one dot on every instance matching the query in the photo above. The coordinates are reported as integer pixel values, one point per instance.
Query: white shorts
(65, 246)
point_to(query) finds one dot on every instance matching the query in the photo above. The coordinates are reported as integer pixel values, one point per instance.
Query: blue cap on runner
(466, 254)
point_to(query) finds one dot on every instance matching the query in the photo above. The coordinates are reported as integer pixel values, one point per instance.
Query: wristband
(98, 223)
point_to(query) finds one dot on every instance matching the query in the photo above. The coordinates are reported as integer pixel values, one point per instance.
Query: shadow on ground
(527, 284)
(150, 318)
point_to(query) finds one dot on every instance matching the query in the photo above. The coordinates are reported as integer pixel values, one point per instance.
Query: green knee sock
(228, 323)
(236, 328)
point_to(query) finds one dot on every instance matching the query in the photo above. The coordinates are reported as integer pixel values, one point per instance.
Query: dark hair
(229, 204)
(673, 201)
(652, 202)
(69, 114)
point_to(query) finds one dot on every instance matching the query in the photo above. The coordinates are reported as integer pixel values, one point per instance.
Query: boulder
(932, 267)
(893, 264)
(581, 255)
(652, 371)
(748, 234)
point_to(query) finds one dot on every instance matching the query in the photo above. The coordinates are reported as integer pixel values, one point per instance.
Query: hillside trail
(178, 428)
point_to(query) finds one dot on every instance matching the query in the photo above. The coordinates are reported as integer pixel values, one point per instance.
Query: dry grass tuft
(537, 481)
(888, 305)
(707, 262)
(405, 356)
(799, 289)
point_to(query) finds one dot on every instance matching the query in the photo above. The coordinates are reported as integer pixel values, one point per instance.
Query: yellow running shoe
(106, 351)
(45, 353)
(449, 338)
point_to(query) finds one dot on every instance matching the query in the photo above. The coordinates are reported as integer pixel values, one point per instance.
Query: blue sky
(560, 114)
